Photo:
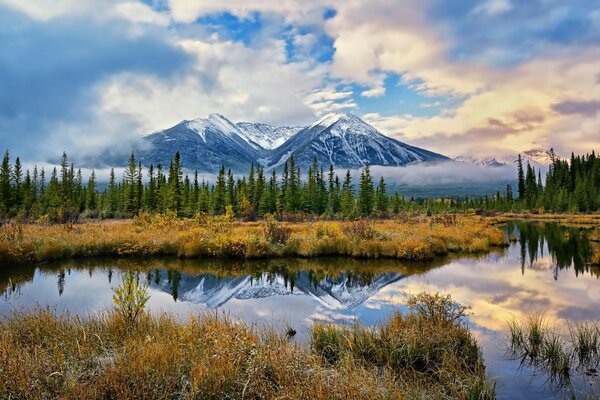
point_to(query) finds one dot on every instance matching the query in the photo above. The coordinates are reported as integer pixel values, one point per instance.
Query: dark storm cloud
(48, 72)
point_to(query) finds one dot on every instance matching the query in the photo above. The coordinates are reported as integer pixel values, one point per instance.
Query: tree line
(63, 195)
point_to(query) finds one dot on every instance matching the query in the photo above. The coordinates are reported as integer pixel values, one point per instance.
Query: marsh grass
(211, 356)
(204, 236)
(559, 356)
(427, 348)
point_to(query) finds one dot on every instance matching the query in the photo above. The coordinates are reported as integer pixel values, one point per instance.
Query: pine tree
(366, 193)
(381, 197)
(347, 196)
(130, 186)
(17, 177)
(91, 201)
(112, 194)
(521, 179)
(5, 184)
(173, 195)
(219, 195)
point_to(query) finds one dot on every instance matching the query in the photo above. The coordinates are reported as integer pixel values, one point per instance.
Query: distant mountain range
(340, 139)
(536, 157)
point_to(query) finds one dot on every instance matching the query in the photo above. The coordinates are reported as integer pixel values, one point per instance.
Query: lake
(543, 270)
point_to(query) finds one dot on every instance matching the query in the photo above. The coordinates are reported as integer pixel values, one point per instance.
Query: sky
(459, 77)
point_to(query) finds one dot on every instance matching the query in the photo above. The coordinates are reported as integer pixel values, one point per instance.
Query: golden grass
(564, 219)
(418, 239)
(210, 357)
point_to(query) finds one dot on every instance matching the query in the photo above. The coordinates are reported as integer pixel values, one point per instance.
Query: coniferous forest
(63, 194)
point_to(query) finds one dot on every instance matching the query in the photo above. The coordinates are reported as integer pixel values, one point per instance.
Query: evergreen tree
(219, 195)
(381, 197)
(521, 179)
(91, 201)
(366, 194)
(347, 197)
(17, 177)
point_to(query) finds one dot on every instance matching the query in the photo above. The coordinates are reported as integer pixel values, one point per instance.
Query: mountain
(204, 144)
(341, 139)
(539, 158)
(346, 141)
(266, 137)
(344, 291)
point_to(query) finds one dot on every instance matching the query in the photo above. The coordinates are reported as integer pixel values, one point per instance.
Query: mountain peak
(334, 117)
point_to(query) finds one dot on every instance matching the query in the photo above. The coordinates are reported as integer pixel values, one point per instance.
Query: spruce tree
(366, 193)
(347, 196)
(219, 194)
(381, 198)
(91, 201)
(520, 179)
(5, 184)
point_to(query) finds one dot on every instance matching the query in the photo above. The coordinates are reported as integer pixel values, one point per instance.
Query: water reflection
(567, 246)
(545, 269)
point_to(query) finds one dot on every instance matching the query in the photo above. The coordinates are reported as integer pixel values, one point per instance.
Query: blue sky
(458, 77)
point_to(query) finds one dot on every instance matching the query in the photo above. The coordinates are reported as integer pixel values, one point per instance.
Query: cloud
(493, 7)
(239, 82)
(51, 74)
(588, 108)
(187, 11)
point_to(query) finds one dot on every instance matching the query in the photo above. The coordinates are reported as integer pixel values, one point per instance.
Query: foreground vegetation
(419, 238)
(427, 353)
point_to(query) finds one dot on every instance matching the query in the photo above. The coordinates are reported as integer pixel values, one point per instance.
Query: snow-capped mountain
(344, 291)
(536, 157)
(341, 139)
(264, 136)
(346, 141)
(204, 144)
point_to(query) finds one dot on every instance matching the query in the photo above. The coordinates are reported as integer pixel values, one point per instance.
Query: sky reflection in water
(543, 271)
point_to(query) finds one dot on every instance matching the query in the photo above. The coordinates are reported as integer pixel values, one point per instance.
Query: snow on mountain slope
(536, 157)
(342, 292)
(266, 136)
(204, 144)
(346, 141)
(341, 139)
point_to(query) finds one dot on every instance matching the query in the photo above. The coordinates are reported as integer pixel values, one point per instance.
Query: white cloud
(292, 10)
(241, 83)
(139, 12)
(493, 7)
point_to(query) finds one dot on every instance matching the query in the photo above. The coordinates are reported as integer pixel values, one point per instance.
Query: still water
(543, 270)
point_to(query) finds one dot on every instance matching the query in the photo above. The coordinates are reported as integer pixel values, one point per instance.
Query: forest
(569, 186)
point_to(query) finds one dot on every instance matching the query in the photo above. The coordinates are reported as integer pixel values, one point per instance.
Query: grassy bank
(583, 220)
(412, 239)
(426, 353)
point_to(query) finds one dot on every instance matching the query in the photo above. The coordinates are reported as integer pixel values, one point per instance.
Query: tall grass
(213, 357)
(427, 348)
(560, 356)
(419, 239)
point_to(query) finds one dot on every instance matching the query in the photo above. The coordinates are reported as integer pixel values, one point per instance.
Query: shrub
(361, 230)
(130, 298)
(275, 232)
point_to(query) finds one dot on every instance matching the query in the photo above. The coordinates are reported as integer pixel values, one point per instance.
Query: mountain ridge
(341, 139)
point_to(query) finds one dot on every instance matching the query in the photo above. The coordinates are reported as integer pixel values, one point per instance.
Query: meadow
(416, 238)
